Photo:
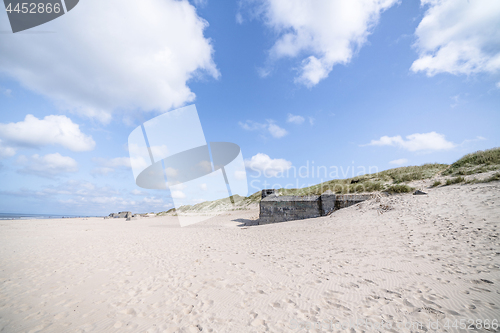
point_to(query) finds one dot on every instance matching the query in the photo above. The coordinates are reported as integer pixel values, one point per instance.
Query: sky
(309, 90)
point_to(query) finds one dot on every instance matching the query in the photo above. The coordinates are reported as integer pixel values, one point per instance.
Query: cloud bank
(47, 166)
(113, 55)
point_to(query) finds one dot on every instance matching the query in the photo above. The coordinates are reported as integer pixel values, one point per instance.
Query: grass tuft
(493, 178)
(399, 188)
(455, 180)
(436, 183)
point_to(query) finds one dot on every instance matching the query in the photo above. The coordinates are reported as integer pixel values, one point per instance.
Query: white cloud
(116, 54)
(200, 3)
(327, 32)
(103, 171)
(263, 72)
(294, 119)
(153, 200)
(205, 165)
(137, 192)
(6, 92)
(178, 195)
(311, 121)
(400, 161)
(113, 162)
(239, 18)
(459, 37)
(160, 150)
(171, 172)
(51, 130)
(107, 166)
(269, 167)
(6, 151)
(240, 175)
(478, 138)
(276, 131)
(250, 125)
(269, 127)
(415, 142)
(47, 166)
(456, 101)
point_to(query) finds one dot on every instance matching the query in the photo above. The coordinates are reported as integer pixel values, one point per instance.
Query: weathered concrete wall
(327, 203)
(287, 208)
(346, 200)
(280, 209)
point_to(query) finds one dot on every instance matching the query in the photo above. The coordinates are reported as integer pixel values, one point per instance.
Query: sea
(10, 216)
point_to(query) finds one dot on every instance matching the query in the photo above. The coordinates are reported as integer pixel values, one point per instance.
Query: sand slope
(399, 260)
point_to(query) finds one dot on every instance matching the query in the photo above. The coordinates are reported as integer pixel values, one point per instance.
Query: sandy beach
(407, 262)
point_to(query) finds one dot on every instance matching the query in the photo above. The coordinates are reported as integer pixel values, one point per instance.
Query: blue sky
(347, 85)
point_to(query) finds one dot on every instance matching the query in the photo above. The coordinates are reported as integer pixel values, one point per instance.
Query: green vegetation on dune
(372, 182)
(478, 162)
(455, 180)
(400, 188)
(493, 178)
(436, 183)
(411, 173)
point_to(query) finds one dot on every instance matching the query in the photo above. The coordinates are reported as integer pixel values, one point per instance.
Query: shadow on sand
(246, 222)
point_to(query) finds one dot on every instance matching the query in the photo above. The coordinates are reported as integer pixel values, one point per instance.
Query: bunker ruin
(275, 208)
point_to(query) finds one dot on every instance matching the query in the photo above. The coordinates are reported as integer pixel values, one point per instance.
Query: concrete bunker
(275, 208)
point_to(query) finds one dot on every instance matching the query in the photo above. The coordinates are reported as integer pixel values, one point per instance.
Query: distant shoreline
(14, 216)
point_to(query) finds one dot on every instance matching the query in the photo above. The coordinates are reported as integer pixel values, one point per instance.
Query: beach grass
(478, 162)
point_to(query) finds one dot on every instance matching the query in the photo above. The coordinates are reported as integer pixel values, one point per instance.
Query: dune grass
(478, 162)
(411, 173)
(370, 183)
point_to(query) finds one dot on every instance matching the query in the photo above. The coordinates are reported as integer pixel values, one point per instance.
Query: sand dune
(399, 260)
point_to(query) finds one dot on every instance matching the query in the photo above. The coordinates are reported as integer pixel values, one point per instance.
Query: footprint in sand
(39, 328)
(61, 315)
(130, 312)
(187, 310)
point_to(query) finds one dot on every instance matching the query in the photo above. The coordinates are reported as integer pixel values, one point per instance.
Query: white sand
(398, 259)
